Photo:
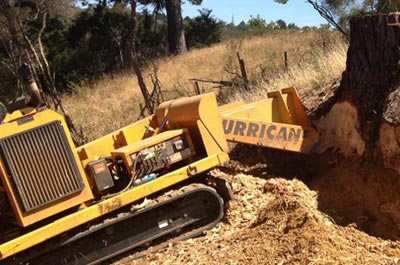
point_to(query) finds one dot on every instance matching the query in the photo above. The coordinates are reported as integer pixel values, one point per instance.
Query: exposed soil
(275, 220)
(361, 193)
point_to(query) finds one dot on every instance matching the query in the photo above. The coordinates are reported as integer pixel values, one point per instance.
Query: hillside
(112, 102)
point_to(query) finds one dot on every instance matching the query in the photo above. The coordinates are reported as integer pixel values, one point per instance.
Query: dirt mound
(275, 221)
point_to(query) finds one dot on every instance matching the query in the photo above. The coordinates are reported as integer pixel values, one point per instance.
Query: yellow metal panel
(19, 114)
(280, 111)
(211, 119)
(296, 107)
(103, 146)
(200, 115)
(90, 213)
(140, 145)
(272, 135)
(278, 122)
(38, 119)
(261, 110)
(234, 106)
(126, 151)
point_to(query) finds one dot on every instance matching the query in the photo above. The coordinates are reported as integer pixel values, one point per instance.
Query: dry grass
(320, 71)
(112, 101)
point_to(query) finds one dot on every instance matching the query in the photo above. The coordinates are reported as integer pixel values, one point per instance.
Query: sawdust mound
(275, 221)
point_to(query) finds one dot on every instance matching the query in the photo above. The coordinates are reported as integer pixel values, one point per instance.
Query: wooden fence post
(197, 88)
(285, 55)
(243, 71)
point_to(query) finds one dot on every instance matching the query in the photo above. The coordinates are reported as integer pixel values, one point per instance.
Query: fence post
(197, 88)
(285, 55)
(325, 46)
(243, 71)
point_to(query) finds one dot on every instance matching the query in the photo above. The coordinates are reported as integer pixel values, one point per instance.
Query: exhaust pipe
(34, 98)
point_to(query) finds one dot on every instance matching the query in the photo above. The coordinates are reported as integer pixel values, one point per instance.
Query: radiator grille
(41, 165)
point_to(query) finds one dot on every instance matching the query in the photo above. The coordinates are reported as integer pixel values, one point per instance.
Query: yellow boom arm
(278, 122)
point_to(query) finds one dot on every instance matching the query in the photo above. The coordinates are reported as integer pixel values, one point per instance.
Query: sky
(296, 11)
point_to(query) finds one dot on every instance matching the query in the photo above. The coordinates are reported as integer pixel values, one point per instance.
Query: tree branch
(328, 16)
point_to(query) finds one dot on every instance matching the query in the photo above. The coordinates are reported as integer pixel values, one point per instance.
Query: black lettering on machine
(256, 130)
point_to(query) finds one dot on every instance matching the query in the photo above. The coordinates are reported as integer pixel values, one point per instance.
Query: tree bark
(132, 54)
(130, 43)
(365, 119)
(176, 32)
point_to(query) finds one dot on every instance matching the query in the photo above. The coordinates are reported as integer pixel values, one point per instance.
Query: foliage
(97, 36)
(281, 24)
(338, 12)
(203, 30)
(257, 25)
(24, 24)
(85, 42)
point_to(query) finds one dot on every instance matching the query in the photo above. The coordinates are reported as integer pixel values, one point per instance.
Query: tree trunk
(176, 32)
(134, 22)
(368, 99)
(132, 54)
(130, 43)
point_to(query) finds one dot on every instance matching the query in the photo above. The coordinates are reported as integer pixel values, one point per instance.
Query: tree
(242, 25)
(129, 43)
(130, 46)
(281, 24)
(25, 25)
(292, 26)
(383, 6)
(204, 29)
(338, 12)
(101, 40)
(176, 31)
(257, 22)
(331, 10)
(257, 25)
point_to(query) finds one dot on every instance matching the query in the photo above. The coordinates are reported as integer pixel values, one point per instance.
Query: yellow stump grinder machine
(62, 204)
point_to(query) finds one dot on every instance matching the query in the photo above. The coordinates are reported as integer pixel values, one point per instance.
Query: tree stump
(361, 123)
(365, 119)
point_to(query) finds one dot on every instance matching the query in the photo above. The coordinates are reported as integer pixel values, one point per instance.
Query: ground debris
(274, 221)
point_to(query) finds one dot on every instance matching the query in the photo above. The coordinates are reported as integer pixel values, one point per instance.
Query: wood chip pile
(274, 221)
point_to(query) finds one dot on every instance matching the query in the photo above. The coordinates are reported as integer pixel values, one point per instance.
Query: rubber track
(186, 230)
